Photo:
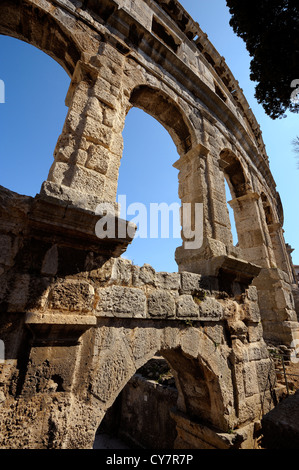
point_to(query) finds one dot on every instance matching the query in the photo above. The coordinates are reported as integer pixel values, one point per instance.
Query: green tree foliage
(270, 29)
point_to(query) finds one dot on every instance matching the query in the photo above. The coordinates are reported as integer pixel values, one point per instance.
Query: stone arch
(41, 28)
(203, 376)
(161, 107)
(234, 172)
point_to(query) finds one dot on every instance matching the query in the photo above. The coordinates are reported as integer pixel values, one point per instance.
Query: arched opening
(42, 29)
(148, 191)
(140, 417)
(143, 415)
(32, 116)
(231, 213)
(267, 210)
(152, 379)
(272, 234)
(234, 174)
(237, 188)
(162, 108)
(148, 175)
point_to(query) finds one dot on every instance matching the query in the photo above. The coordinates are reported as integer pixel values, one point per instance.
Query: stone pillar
(88, 152)
(252, 238)
(287, 251)
(197, 184)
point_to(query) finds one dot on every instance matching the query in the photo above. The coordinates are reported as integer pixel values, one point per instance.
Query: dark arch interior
(140, 417)
(268, 210)
(234, 173)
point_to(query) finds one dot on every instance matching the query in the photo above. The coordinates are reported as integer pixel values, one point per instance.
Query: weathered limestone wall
(154, 56)
(77, 326)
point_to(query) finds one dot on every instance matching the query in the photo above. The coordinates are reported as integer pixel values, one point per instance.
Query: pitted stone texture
(167, 281)
(186, 307)
(190, 283)
(144, 275)
(161, 304)
(210, 310)
(121, 301)
(72, 295)
(121, 272)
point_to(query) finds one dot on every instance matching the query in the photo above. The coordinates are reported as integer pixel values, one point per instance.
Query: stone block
(94, 109)
(251, 312)
(280, 426)
(121, 272)
(252, 294)
(74, 121)
(255, 332)
(72, 295)
(105, 96)
(250, 379)
(238, 329)
(111, 53)
(190, 283)
(117, 144)
(109, 117)
(98, 158)
(210, 310)
(79, 157)
(118, 301)
(86, 181)
(97, 132)
(265, 374)
(284, 299)
(167, 281)
(161, 304)
(257, 351)
(147, 274)
(57, 172)
(186, 307)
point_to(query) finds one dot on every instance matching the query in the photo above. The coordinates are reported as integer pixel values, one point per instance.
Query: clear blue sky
(32, 118)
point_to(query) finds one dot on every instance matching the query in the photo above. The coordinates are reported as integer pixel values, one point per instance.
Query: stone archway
(203, 377)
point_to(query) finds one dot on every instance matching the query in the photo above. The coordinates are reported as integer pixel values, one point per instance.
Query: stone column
(277, 307)
(275, 294)
(197, 185)
(88, 152)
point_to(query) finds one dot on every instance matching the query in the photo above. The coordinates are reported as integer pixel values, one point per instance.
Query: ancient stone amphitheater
(77, 320)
